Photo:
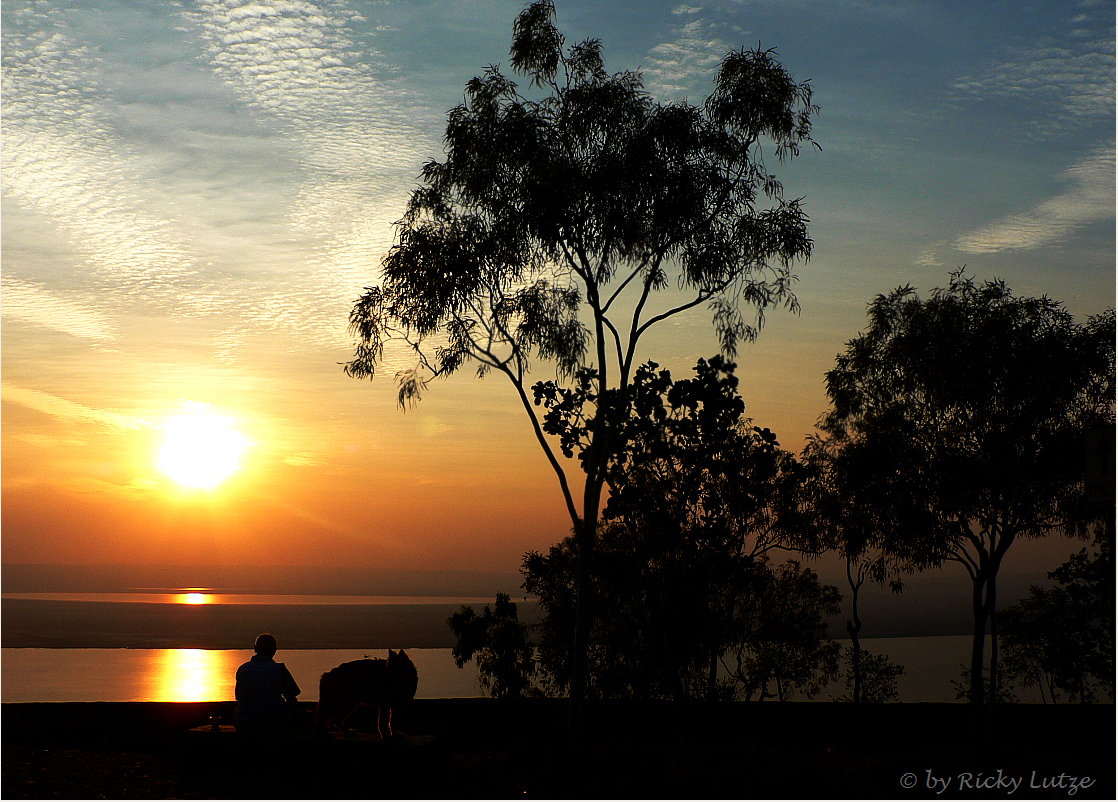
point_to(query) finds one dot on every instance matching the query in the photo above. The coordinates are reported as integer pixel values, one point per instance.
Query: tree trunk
(853, 628)
(712, 676)
(855, 661)
(584, 540)
(978, 644)
(991, 611)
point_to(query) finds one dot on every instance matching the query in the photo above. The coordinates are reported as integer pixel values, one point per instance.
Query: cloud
(61, 408)
(1066, 88)
(33, 304)
(1090, 198)
(60, 160)
(302, 460)
(678, 67)
(297, 64)
(72, 158)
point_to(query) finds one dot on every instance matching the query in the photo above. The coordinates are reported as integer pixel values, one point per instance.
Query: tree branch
(542, 439)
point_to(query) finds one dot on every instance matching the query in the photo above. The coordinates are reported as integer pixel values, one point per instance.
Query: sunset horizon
(181, 236)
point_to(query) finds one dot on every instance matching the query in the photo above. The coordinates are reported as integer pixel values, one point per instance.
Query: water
(196, 675)
(184, 675)
(192, 675)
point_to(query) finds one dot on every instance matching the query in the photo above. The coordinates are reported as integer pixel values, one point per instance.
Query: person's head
(265, 645)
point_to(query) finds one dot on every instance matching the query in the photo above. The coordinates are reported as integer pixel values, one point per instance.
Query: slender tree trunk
(853, 628)
(585, 540)
(856, 661)
(978, 643)
(712, 676)
(992, 612)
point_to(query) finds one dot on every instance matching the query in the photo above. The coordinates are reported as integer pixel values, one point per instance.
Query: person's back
(266, 692)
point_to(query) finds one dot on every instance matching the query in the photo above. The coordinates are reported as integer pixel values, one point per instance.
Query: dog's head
(403, 679)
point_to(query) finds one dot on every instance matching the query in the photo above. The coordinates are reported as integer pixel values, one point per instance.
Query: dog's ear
(402, 654)
(391, 655)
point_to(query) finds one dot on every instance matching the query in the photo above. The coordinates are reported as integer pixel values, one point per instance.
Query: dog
(384, 684)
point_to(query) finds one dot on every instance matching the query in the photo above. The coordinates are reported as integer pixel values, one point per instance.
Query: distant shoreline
(145, 625)
(117, 625)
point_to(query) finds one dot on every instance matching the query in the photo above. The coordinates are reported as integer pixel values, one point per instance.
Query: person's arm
(290, 690)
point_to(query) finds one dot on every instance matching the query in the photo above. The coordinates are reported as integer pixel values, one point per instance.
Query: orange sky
(177, 233)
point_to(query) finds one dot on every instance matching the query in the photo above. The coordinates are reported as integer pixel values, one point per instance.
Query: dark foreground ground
(496, 748)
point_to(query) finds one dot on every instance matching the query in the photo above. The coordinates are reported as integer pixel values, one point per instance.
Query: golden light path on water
(193, 675)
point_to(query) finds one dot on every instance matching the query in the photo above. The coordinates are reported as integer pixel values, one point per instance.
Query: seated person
(266, 691)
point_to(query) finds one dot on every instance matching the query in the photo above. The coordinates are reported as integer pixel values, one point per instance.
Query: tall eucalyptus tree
(568, 219)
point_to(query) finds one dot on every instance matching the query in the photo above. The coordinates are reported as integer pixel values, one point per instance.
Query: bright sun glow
(195, 598)
(200, 450)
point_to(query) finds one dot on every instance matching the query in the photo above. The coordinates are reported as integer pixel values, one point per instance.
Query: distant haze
(332, 581)
(934, 602)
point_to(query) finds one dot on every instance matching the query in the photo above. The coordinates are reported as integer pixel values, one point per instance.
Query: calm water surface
(197, 675)
(192, 675)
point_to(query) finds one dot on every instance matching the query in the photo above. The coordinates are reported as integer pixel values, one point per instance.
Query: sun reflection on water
(194, 675)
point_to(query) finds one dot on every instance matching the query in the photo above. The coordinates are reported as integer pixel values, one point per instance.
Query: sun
(200, 450)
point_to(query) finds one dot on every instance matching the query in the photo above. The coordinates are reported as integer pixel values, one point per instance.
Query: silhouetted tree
(1061, 638)
(964, 413)
(698, 497)
(499, 642)
(555, 219)
(775, 646)
(849, 521)
(1088, 579)
(703, 495)
(964, 686)
(782, 636)
(876, 681)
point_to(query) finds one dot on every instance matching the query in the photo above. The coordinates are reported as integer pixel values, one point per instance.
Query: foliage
(1045, 641)
(499, 643)
(963, 686)
(781, 635)
(698, 497)
(1089, 582)
(559, 215)
(1062, 638)
(878, 677)
(542, 202)
(778, 647)
(851, 522)
(960, 418)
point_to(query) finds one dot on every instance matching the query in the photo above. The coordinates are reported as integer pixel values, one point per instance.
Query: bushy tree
(560, 214)
(848, 520)
(782, 635)
(500, 644)
(963, 415)
(698, 498)
(874, 680)
(1061, 638)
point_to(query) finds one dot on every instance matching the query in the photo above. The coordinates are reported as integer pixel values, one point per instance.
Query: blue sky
(195, 193)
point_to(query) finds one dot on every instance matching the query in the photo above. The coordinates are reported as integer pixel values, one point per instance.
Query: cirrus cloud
(1090, 198)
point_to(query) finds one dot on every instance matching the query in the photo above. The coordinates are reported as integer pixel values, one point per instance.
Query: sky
(194, 194)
